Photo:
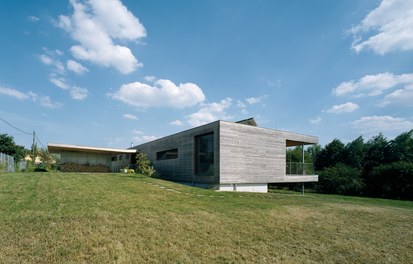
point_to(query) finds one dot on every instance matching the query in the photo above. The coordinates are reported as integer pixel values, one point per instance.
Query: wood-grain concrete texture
(183, 167)
(242, 154)
(251, 154)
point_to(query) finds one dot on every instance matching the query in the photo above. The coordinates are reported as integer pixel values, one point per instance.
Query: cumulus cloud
(255, 100)
(401, 97)
(150, 78)
(343, 108)
(76, 67)
(211, 112)
(140, 137)
(59, 82)
(316, 120)
(176, 123)
(373, 85)
(33, 18)
(95, 25)
(387, 28)
(130, 117)
(42, 100)
(45, 59)
(50, 59)
(162, 93)
(371, 125)
(13, 93)
(78, 93)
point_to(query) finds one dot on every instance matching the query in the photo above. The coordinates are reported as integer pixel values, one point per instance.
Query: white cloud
(373, 85)
(45, 59)
(95, 25)
(44, 101)
(59, 82)
(143, 139)
(387, 28)
(76, 67)
(130, 117)
(371, 125)
(210, 112)
(49, 59)
(163, 93)
(33, 18)
(255, 100)
(13, 93)
(137, 132)
(316, 120)
(78, 93)
(240, 104)
(176, 123)
(150, 78)
(343, 108)
(403, 97)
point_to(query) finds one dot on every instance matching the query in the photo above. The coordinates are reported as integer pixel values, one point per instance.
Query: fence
(296, 168)
(7, 164)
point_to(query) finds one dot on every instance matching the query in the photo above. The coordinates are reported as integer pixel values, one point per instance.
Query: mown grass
(114, 218)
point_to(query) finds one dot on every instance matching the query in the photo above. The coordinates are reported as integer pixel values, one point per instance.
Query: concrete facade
(246, 158)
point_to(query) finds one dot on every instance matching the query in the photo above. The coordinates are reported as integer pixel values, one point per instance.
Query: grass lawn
(115, 218)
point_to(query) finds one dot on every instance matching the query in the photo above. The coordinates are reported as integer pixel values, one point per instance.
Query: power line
(38, 140)
(18, 129)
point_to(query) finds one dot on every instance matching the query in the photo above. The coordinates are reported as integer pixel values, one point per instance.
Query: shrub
(144, 165)
(393, 180)
(340, 179)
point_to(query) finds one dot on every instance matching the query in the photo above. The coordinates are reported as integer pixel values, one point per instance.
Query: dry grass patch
(112, 218)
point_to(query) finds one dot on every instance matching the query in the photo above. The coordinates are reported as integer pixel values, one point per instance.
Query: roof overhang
(293, 143)
(58, 148)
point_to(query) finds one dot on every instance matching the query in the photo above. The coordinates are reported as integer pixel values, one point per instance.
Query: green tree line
(378, 167)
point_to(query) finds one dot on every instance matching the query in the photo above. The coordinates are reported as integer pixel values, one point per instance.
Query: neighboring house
(222, 155)
(85, 158)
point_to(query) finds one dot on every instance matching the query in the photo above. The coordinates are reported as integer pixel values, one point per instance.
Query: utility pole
(33, 147)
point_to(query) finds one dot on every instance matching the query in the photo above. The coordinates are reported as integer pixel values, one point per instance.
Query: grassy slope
(102, 218)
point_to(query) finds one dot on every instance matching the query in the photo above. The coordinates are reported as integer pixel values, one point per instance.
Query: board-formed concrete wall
(251, 154)
(182, 168)
(245, 157)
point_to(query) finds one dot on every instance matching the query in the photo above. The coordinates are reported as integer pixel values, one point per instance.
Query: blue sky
(110, 73)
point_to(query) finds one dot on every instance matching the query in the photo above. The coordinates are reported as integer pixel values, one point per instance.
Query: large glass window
(204, 154)
(167, 154)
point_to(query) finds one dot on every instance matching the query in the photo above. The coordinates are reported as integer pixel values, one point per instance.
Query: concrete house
(226, 156)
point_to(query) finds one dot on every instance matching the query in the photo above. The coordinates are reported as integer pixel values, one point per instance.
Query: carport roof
(53, 148)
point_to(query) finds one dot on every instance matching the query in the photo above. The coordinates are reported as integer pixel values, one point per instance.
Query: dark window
(120, 157)
(167, 154)
(114, 158)
(204, 154)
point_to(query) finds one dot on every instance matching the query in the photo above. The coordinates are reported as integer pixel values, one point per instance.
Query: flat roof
(54, 147)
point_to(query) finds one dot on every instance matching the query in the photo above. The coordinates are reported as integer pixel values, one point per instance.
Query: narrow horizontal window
(167, 154)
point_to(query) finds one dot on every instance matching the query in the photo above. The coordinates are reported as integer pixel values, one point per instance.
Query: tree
(354, 152)
(378, 152)
(402, 147)
(9, 147)
(330, 155)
